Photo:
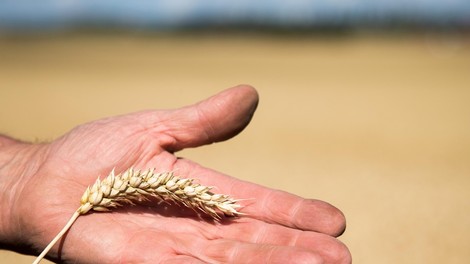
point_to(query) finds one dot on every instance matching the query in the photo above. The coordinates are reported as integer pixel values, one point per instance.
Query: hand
(278, 227)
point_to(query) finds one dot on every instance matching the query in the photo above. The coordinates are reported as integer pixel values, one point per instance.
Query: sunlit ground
(378, 125)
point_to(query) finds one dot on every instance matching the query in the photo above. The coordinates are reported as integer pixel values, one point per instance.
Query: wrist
(19, 161)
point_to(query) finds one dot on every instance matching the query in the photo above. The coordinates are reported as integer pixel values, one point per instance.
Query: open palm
(278, 227)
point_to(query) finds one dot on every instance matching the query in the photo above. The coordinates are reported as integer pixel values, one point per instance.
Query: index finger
(269, 205)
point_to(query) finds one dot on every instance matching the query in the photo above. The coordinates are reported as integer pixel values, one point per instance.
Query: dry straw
(136, 186)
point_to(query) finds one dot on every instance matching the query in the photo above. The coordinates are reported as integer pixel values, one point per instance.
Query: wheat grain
(136, 186)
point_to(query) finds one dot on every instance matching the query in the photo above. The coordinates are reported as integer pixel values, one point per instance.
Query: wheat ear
(135, 186)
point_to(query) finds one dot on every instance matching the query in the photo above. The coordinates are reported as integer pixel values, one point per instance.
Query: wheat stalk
(136, 186)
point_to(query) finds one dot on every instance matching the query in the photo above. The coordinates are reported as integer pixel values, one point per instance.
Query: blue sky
(180, 13)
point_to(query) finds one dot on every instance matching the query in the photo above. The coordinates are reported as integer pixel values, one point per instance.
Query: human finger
(233, 251)
(254, 231)
(217, 118)
(226, 251)
(268, 205)
(248, 230)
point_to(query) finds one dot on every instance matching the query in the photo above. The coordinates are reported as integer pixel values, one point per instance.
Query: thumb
(217, 118)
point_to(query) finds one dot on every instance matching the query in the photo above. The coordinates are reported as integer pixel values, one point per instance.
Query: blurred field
(377, 125)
